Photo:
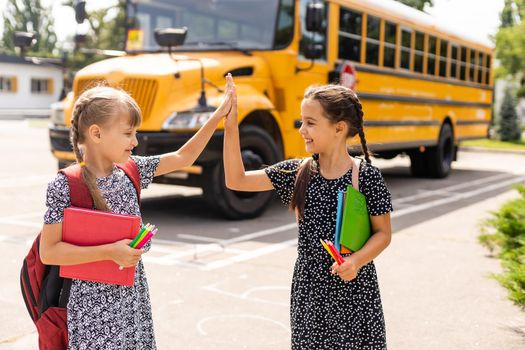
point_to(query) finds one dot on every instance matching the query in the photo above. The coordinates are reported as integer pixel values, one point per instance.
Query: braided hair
(339, 104)
(98, 105)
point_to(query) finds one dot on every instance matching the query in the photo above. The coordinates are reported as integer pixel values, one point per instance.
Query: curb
(491, 150)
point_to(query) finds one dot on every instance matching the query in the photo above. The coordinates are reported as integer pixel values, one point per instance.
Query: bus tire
(440, 157)
(258, 149)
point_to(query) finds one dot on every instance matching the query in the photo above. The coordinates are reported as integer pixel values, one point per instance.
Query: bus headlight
(187, 120)
(57, 114)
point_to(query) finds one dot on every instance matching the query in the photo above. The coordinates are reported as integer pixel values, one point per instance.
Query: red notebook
(84, 227)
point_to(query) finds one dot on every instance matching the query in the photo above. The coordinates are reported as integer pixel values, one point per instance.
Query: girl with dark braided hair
(332, 307)
(103, 134)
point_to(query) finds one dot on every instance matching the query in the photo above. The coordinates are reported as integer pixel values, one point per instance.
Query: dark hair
(339, 104)
(99, 105)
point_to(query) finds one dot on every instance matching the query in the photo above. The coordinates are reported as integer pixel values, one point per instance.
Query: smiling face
(319, 133)
(118, 139)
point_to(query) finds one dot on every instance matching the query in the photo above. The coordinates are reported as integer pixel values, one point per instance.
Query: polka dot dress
(106, 316)
(327, 312)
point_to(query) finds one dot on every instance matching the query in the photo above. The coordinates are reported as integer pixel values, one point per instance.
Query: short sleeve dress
(327, 312)
(104, 316)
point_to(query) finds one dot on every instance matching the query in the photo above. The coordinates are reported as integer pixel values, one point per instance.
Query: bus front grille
(142, 90)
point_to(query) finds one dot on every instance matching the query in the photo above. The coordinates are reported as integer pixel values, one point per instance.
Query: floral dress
(327, 312)
(104, 316)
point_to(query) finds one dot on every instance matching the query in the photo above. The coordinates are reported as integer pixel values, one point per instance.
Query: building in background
(28, 86)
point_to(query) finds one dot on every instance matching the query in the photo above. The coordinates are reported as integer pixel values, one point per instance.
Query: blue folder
(338, 220)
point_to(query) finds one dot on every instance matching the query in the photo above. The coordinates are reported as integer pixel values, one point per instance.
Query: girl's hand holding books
(124, 255)
(347, 270)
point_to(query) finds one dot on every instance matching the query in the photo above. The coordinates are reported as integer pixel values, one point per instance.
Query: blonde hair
(99, 105)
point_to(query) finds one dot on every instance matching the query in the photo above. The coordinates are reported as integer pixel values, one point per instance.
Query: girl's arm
(236, 177)
(55, 252)
(378, 241)
(191, 150)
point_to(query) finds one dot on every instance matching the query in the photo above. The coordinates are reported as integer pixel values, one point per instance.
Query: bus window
(487, 72)
(406, 44)
(419, 52)
(373, 26)
(454, 61)
(389, 52)
(284, 31)
(307, 37)
(431, 56)
(203, 26)
(472, 66)
(463, 64)
(350, 25)
(479, 68)
(443, 52)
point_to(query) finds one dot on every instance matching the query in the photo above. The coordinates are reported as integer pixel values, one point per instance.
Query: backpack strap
(131, 169)
(355, 175)
(79, 192)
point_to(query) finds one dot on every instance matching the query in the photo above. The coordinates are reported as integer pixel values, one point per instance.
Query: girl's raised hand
(231, 118)
(226, 104)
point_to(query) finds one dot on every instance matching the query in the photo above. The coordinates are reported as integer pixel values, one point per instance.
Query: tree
(509, 124)
(29, 16)
(508, 15)
(418, 4)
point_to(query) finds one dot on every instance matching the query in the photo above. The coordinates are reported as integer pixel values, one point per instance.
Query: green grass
(494, 144)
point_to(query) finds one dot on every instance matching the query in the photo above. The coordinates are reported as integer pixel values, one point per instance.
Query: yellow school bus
(423, 87)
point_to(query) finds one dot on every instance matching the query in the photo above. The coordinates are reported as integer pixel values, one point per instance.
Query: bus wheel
(440, 157)
(258, 149)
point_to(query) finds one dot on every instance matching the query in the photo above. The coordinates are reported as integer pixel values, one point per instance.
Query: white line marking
(457, 197)
(452, 188)
(272, 248)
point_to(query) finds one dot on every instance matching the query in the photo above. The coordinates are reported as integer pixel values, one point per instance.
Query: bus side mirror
(80, 12)
(314, 16)
(170, 37)
(313, 51)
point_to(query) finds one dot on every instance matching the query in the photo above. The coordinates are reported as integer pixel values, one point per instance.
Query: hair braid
(89, 178)
(360, 129)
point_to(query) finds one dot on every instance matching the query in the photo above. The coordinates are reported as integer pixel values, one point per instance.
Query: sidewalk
(434, 282)
(436, 291)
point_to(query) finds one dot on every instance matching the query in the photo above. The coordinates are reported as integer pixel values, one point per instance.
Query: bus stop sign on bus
(348, 75)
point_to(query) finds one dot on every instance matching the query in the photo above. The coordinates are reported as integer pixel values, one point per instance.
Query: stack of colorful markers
(146, 233)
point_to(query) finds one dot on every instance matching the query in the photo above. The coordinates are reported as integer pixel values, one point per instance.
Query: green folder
(355, 228)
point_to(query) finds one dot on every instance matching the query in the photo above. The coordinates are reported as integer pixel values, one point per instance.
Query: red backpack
(45, 293)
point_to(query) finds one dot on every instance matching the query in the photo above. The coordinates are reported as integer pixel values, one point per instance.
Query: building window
(41, 86)
(431, 58)
(7, 84)
(419, 52)
(350, 29)
(373, 27)
(389, 52)
(406, 46)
